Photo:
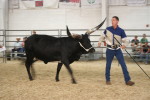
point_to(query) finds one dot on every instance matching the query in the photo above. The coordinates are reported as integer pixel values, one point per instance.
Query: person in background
(23, 44)
(22, 50)
(137, 50)
(17, 46)
(144, 40)
(2, 48)
(147, 56)
(145, 53)
(134, 43)
(33, 32)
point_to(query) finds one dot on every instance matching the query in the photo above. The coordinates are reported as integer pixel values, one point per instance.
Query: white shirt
(2, 49)
(109, 35)
(17, 45)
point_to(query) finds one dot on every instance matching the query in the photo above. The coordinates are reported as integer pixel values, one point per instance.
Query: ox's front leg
(58, 70)
(66, 63)
(28, 65)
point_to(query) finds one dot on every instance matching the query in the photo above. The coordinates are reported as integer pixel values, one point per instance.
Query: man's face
(136, 37)
(34, 32)
(114, 22)
(144, 35)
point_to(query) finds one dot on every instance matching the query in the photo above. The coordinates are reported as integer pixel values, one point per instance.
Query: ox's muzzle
(92, 50)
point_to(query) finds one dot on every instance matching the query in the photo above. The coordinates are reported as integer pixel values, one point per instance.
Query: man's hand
(99, 44)
(123, 47)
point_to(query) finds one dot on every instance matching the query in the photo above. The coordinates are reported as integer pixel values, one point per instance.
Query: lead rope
(133, 59)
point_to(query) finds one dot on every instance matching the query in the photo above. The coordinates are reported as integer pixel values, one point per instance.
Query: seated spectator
(147, 56)
(23, 44)
(134, 43)
(144, 40)
(2, 48)
(137, 49)
(22, 50)
(33, 32)
(17, 46)
(145, 53)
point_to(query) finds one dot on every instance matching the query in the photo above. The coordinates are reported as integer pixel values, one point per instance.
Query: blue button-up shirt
(118, 31)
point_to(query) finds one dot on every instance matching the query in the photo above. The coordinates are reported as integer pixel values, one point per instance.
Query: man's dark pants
(109, 57)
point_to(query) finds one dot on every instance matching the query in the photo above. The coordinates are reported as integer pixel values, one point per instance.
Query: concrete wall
(130, 18)
(84, 18)
(78, 18)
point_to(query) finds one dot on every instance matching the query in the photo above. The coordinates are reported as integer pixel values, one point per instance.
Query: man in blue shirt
(114, 49)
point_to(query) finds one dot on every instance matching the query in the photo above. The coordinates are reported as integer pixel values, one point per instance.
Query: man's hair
(116, 17)
(144, 34)
(34, 31)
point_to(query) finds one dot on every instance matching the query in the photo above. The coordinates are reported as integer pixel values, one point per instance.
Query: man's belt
(113, 46)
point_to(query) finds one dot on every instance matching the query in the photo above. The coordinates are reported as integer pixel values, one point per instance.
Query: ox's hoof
(74, 82)
(57, 80)
(31, 79)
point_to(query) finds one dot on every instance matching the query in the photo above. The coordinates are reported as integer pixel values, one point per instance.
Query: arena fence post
(4, 43)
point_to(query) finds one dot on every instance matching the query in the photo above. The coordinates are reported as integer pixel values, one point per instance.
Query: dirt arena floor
(15, 85)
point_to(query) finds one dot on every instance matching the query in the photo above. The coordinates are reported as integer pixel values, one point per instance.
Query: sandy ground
(14, 83)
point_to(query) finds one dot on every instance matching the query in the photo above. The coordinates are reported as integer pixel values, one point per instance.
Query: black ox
(66, 50)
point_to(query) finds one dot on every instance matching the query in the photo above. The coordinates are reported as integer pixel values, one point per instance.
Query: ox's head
(84, 40)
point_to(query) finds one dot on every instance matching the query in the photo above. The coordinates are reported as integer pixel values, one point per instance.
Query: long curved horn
(95, 28)
(68, 32)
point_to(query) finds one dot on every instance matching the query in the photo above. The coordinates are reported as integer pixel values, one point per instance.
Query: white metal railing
(5, 35)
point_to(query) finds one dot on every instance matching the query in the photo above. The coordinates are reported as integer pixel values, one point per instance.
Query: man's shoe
(108, 82)
(130, 83)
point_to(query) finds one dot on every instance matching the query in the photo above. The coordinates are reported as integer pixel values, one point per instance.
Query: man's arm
(125, 40)
(149, 50)
(101, 39)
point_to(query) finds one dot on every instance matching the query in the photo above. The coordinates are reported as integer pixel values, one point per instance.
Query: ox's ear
(68, 32)
(95, 28)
